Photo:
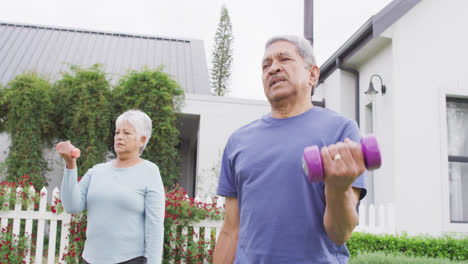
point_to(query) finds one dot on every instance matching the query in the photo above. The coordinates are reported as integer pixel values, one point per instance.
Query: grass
(382, 258)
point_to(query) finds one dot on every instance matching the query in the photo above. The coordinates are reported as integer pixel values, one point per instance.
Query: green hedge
(27, 107)
(153, 92)
(417, 246)
(83, 112)
(3, 108)
(384, 258)
(82, 107)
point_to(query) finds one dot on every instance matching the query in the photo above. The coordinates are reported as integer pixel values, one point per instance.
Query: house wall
(383, 120)
(5, 143)
(429, 54)
(338, 91)
(219, 118)
(422, 63)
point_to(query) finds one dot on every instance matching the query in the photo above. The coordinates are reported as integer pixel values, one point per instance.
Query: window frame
(453, 158)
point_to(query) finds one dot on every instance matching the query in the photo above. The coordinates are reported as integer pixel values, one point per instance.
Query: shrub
(384, 258)
(13, 248)
(26, 109)
(3, 108)
(83, 113)
(82, 108)
(418, 246)
(180, 211)
(10, 251)
(24, 195)
(76, 238)
(153, 92)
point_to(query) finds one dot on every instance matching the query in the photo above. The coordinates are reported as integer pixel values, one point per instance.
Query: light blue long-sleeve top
(125, 211)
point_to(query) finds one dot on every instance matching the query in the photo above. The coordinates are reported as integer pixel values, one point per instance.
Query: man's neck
(287, 109)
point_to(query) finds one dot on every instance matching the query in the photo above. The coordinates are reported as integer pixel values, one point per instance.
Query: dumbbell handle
(75, 152)
(312, 160)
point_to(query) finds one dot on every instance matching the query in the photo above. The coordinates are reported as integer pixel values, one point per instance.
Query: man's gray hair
(303, 47)
(140, 121)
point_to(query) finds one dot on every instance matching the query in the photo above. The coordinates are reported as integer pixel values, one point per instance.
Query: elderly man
(273, 214)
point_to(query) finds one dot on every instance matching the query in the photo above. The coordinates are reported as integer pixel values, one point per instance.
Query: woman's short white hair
(140, 121)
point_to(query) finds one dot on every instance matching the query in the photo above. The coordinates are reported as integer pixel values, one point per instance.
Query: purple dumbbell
(312, 160)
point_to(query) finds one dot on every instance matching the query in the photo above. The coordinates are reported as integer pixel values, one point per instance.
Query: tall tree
(222, 55)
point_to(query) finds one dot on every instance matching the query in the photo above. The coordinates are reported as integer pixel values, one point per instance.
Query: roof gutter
(362, 37)
(371, 29)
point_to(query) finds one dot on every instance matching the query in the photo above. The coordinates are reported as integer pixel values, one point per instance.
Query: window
(457, 133)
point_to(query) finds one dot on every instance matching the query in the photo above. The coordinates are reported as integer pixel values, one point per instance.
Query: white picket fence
(41, 215)
(376, 220)
(208, 226)
(205, 226)
(371, 220)
(44, 217)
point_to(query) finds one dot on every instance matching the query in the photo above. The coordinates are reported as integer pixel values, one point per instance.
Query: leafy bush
(3, 108)
(83, 113)
(82, 108)
(24, 195)
(13, 248)
(384, 258)
(11, 252)
(418, 246)
(180, 211)
(153, 92)
(27, 107)
(76, 238)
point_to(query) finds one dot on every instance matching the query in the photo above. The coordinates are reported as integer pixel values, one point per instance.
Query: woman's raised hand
(69, 153)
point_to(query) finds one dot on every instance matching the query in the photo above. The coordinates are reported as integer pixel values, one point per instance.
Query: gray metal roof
(50, 50)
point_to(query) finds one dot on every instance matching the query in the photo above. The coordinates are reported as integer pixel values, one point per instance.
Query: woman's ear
(142, 141)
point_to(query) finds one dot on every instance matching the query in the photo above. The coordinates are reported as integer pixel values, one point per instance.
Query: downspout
(354, 72)
(309, 21)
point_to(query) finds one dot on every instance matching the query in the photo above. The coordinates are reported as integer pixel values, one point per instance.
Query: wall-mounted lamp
(371, 91)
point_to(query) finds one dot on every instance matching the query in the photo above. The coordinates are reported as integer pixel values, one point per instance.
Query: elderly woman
(124, 198)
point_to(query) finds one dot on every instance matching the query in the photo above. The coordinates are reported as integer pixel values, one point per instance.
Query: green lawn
(382, 258)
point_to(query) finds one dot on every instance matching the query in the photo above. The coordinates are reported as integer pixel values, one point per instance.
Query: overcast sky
(253, 22)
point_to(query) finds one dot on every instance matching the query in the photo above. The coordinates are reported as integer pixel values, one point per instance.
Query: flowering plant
(24, 195)
(180, 211)
(13, 248)
(76, 238)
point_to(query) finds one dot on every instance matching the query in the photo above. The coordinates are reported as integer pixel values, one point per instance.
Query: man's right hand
(69, 153)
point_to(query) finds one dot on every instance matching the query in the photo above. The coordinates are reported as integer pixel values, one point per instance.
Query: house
(418, 49)
(206, 120)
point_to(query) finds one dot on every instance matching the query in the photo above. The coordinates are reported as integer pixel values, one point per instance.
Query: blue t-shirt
(281, 212)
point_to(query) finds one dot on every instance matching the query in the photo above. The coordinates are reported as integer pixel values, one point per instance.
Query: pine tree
(222, 55)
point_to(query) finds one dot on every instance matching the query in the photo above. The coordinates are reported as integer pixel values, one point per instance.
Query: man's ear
(314, 74)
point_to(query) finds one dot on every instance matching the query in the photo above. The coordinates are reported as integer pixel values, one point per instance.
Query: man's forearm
(341, 216)
(225, 249)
